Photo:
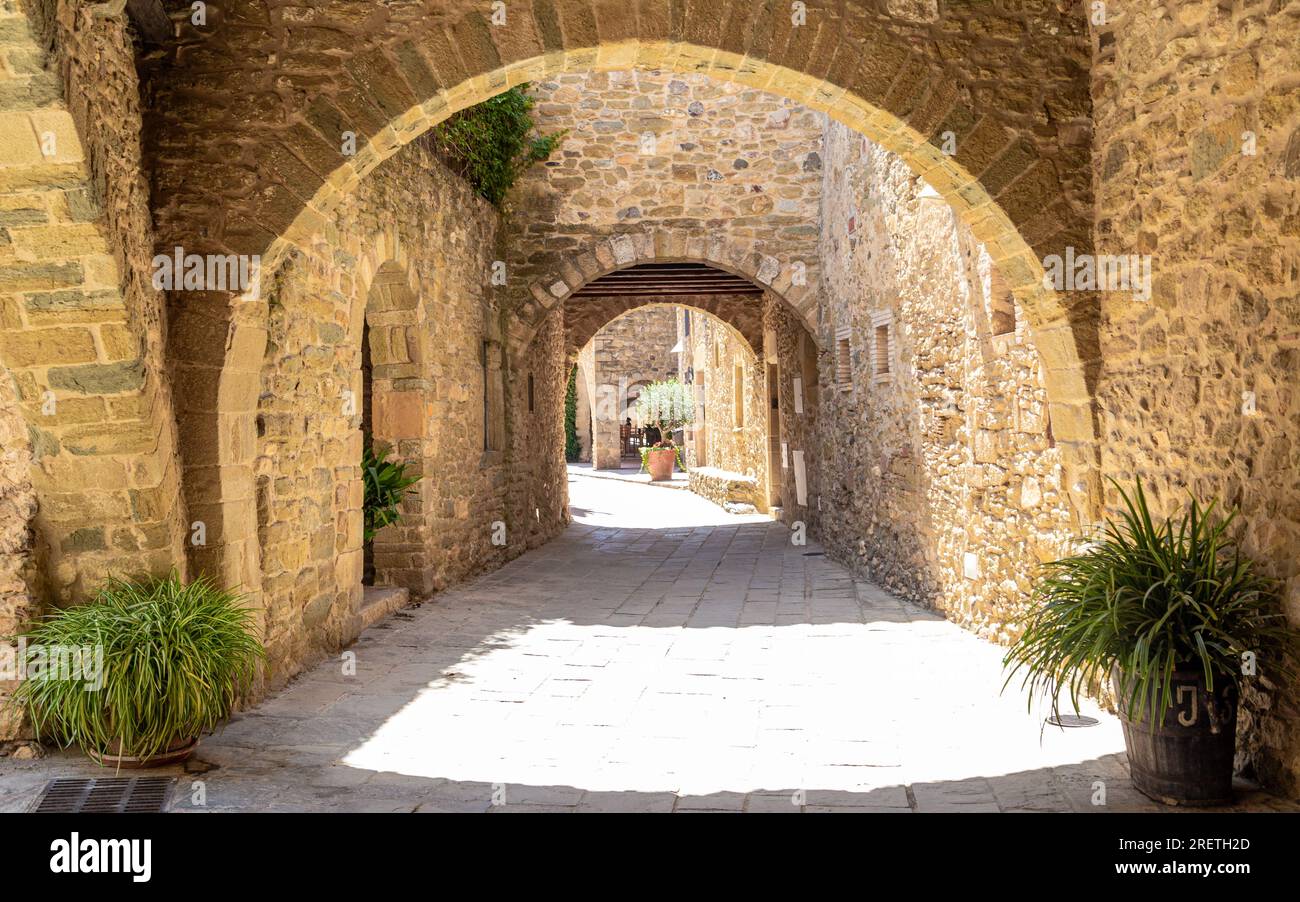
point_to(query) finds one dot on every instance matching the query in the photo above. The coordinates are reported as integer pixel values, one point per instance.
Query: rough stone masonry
(955, 417)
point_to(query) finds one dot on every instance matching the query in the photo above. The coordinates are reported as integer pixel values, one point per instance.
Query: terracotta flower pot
(176, 752)
(660, 463)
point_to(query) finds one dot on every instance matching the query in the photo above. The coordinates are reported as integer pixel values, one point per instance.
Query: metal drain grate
(1072, 720)
(108, 795)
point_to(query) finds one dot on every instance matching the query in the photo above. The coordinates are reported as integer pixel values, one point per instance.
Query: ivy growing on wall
(491, 144)
(572, 447)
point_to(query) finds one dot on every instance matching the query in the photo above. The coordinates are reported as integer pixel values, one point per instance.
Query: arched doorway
(993, 211)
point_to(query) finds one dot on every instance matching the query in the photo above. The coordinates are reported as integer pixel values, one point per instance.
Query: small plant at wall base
(667, 406)
(1178, 620)
(572, 447)
(166, 663)
(386, 484)
(491, 143)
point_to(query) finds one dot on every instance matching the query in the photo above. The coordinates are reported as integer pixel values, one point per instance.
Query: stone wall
(726, 488)
(80, 323)
(795, 353)
(535, 474)
(90, 476)
(1009, 80)
(680, 161)
(939, 474)
(1197, 163)
(17, 506)
(726, 435)
(409, 254)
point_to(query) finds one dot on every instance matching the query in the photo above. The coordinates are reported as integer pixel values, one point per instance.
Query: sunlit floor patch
(605, 501)
(839, 706)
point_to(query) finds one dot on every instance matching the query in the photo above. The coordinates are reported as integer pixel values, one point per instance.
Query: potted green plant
(1174, 615)
(667, 406)
(160, 663)
(386, 483)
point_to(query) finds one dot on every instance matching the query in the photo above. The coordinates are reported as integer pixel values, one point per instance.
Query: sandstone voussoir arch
(1018, 178)
(794, 281)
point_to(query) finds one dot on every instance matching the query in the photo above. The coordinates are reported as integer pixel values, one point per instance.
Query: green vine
(492, 143)
(572, 447)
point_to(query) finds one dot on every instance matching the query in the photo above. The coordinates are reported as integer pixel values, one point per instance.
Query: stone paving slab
(699, 663)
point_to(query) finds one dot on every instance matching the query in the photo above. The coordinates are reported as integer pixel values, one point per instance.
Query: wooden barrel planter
(1185, 756)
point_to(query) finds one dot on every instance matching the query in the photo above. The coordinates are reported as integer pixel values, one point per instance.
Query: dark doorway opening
(367, 437)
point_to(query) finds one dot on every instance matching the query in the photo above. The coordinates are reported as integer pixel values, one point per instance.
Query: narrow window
(487, 405)
(882, 344)
(882, 349)
(493, 397)
(843, 360)
(738, 396)
(530, 392)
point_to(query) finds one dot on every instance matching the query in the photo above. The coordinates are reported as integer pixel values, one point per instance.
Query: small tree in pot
(668, 406)
(1178, 620)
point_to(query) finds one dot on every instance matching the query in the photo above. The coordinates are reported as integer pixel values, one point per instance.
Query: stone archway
(749, 321)
(238, 501)
(583, 317)
(1018, 173)
(722, 370)
(392, 355)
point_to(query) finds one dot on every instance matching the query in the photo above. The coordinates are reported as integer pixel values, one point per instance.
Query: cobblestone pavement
(662, 655)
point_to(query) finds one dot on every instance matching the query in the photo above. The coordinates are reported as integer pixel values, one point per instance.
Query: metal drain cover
(107, 795)
(1072, 720)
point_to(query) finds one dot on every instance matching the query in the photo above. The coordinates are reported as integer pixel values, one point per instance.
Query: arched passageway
(959, 146)
(713, 330)
(1000, 184)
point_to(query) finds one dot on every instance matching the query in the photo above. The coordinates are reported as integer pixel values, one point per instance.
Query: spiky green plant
(1153, 597)
(176, 658)
(386, 484)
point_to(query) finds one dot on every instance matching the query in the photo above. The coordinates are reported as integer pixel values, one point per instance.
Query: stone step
(377, 602)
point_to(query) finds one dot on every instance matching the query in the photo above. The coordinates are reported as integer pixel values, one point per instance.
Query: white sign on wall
(798, 395)
(785, 455)
(800, 480)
